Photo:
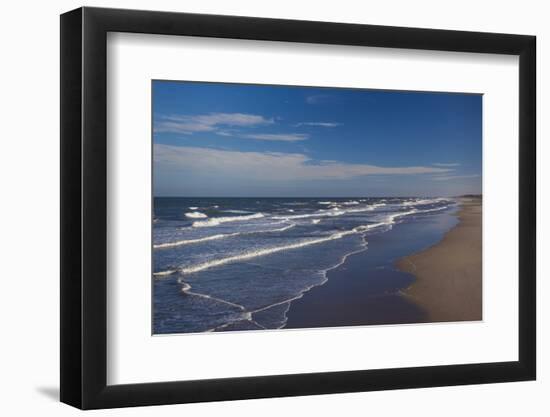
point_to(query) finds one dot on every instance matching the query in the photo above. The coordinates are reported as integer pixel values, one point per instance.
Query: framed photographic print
(258, 207)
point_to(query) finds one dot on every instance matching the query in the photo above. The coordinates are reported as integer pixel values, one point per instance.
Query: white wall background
(29, 175)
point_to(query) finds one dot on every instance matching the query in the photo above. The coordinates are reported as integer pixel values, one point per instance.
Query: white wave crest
(419, 202)
(215, 221)
(389, 221)
(191, 241)
(164, 273)
(433, 209)
(360, 210)
(219, 236)
(323, 213)
(268, 251)
(333, 211)
(391, 218)
(196, 215)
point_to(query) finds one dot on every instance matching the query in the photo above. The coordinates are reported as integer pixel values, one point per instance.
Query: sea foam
(218, 236)
(389, 221)
(215, 221)
(196, 215)
(262, 252)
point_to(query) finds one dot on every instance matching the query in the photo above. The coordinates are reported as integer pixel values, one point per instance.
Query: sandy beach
(448, 275)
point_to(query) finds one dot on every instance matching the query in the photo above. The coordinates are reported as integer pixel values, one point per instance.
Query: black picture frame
(84, 207)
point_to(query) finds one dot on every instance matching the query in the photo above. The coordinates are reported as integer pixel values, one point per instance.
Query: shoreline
(448, 275)
(367, 289)
(397, 280)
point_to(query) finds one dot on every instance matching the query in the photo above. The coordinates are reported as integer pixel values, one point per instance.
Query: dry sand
(449, 283)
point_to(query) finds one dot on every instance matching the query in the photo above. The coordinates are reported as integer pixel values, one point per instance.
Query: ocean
(227, 264)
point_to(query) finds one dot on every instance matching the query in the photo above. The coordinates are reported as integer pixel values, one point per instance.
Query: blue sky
(215, 139)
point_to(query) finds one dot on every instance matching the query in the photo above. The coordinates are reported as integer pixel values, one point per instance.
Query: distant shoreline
(448, 275)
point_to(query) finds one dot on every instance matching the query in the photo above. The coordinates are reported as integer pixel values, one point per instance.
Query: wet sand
(448, 275)
(350, 298)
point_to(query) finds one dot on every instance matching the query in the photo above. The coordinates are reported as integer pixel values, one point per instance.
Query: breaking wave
(218, 236)
(196, 215)
(390, 220)
(216, 221)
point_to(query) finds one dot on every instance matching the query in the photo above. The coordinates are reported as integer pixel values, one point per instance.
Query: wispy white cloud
(223, 124)
(225, 133)
(285, 137)
(268, 166)
(188, 125)
(442, 164)
(319, 124)
(455, 177)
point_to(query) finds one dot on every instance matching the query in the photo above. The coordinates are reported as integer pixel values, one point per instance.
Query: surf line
(249, 315)
(390, 221)
(289, 225)
(303, 292)
(288, 301)
(223, 326)
(186, 289)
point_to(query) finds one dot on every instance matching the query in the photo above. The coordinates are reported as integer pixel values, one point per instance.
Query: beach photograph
(299, 207)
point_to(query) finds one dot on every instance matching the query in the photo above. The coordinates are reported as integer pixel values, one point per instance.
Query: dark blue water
(239, 263)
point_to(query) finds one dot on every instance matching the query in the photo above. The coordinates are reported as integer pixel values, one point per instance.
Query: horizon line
(324, 196)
